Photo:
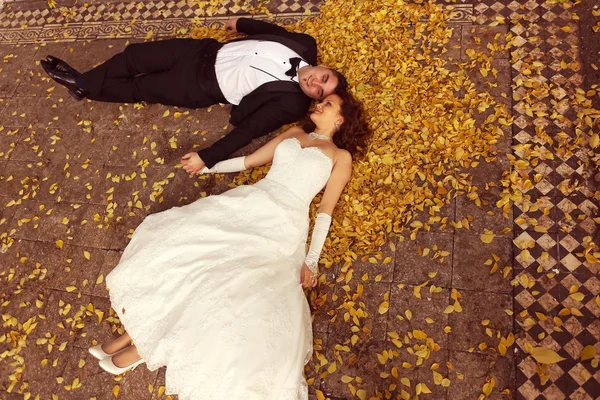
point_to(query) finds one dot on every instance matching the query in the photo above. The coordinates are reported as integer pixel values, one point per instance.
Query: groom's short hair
(342, 82)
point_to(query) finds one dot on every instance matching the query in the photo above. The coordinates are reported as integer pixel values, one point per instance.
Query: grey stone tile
(472, 268)
(477, 369)
(414, 266)
(483, 314)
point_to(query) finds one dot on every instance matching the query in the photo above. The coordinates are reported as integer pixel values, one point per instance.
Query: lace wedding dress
(212, 290)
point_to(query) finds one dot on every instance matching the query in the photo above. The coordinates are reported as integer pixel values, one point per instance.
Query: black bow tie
(293, 71)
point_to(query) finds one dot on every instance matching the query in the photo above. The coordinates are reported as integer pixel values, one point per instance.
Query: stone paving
(65, 166)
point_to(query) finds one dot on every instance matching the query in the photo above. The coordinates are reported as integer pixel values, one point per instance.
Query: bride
(214, 290)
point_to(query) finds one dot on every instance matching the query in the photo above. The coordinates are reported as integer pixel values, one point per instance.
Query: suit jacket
(271, 105)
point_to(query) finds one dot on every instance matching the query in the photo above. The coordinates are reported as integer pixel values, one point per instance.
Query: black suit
(181, 72)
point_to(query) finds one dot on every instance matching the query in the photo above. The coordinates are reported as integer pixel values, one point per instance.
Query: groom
(269, 77)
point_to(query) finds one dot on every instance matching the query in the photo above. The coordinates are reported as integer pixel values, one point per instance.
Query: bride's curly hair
(354, 133)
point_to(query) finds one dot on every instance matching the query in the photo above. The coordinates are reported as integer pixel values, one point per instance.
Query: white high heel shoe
(98, 353)
(109, 366)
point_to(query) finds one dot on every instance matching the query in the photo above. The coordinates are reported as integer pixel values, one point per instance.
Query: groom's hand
(231, 25)
(192, 163)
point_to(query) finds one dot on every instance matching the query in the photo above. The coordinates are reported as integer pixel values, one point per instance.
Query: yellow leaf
(487, 237)
(421, 388)
(449, 309)
(383, 307)
(332, 367)
(86, 254)
(437, 378)
(563, 64)
(489, 386)
(408, 314)
(100, 315)
(419, 334)
(576, 312)
(545, 356)
(346, 379)
(510, 339)
(573, 289)
(361, 394)
(115, 391)
(521, 164)
(577, 296)
(594, 141)
(320, 395)
(165, 114)
(501, 349)
(59, 243)
(417, 292)
(588, 352)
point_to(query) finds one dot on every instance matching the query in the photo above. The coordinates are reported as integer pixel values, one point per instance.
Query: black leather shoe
(60, 65)
(66, 79)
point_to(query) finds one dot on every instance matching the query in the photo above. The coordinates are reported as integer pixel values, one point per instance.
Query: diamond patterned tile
(575, 167)
(490, 10)
(157, 19)
(573, 249)
(528, 375)
(556, 277)
(97, 19)
(536, 213)
(577, 214)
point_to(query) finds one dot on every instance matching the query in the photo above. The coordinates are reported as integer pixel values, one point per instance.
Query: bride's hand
(192, 163)
(307, 278)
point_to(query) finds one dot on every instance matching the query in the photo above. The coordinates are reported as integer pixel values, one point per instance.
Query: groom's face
(317, 82)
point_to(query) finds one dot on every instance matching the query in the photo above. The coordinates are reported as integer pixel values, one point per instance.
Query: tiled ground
(76, 172)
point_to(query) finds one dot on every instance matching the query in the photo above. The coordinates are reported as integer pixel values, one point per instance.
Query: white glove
(317, 241)
(222, 167)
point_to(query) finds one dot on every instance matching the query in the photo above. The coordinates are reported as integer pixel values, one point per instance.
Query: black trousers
(177, 72)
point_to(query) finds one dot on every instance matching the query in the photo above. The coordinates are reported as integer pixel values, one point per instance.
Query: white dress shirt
(243, 66)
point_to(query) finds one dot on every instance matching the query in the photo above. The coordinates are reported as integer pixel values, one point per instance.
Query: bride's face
(328, 112)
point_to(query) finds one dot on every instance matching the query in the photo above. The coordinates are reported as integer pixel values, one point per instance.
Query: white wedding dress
(212, 290)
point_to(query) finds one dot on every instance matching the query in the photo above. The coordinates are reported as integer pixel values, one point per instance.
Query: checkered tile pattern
(155, 10)
(153, 18)
(554, 222)
(152, 12)
(538, 214)
(488, 11)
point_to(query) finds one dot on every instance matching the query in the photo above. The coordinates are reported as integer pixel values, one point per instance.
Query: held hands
(307, 278)
(192, 163)
(231, 25)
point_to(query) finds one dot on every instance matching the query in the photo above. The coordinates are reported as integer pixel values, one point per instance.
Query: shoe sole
(75, 96)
